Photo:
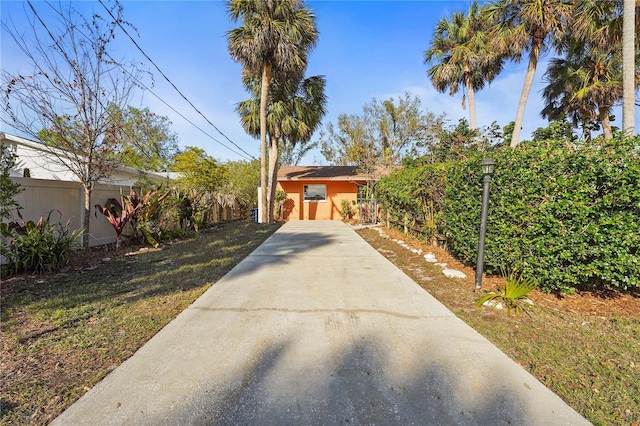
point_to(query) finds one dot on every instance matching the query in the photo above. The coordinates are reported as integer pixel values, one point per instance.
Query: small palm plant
(513, 295)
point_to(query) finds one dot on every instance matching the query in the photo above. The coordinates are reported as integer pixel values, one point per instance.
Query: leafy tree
(198, 187)
(399, 126)
(242, 180)
(8, 188)
(291, 155)
(556, 131)
(349, 142)
(457, 142)
(65, 101)
(275, 36)
(198, 171)
(464, 54)
(527, 25)
(147, 142)
(382, 136)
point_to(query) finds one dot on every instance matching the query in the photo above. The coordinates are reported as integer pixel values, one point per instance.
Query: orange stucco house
(316, 192)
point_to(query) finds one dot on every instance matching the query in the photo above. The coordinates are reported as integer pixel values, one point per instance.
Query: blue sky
(366, 50)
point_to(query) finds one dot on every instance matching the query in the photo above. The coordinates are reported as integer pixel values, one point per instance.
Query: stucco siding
(296, 208)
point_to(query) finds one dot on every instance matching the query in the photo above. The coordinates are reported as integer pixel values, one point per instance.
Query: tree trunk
(628, 68)
(606, 124)
(472, 105)
(273, 177)
(528, 81)
(264, 101)
(86, 216)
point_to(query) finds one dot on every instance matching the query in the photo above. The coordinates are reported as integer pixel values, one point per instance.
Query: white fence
(42, 196)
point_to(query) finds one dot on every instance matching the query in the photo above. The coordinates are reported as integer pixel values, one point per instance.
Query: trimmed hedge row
(569, 218)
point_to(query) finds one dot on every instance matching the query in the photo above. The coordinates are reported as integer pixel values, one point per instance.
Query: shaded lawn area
(584, 347)
(63, 333)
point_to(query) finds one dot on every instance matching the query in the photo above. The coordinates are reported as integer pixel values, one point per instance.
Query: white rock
(430, 257)
(452, 273)
(442, 265)
(493, 304)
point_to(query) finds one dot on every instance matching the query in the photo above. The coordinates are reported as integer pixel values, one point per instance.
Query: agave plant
(514, 294)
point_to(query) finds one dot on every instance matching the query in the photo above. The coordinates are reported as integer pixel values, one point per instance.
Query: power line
(169, 81)
(141, 84)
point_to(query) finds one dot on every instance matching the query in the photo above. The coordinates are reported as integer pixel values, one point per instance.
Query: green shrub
(38, 247)
(569, 217)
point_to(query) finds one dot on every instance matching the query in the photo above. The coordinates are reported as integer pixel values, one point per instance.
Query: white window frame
(317, 191)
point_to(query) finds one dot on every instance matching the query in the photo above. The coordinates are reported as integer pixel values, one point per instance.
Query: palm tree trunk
(528, 81)
(273, 177)
(472, 105)
(606, 124)
(586, 131)
(264, 100)
(628, 68)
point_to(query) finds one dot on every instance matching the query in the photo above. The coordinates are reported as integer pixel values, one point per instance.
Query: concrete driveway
(315, 327)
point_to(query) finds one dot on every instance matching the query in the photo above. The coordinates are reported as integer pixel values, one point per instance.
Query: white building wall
(43, 196)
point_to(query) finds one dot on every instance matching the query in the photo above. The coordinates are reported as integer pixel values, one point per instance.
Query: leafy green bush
(38, 247)
(415, 194)
(569, 217)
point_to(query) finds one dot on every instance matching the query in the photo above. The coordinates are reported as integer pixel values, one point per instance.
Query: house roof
(50, 155)
(339, 173)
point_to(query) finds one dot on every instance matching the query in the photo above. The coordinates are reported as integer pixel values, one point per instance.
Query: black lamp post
(488, 166)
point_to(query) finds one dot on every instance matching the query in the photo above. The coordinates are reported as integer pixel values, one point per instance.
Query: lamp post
(488, 166)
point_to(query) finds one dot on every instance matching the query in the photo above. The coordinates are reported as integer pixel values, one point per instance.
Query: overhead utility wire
(249, 157)
(169, 81)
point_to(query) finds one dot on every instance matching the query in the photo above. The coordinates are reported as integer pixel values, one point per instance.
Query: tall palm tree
(585, 85)
(527, 25)
(460, 47)
(294, 112)
(276, 35)
(601, 25)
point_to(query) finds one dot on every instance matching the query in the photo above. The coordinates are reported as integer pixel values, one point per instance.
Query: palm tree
(585, 85)
(294, 112)
(527, 25)
(599, 24)
(461, 48)
(276, 35)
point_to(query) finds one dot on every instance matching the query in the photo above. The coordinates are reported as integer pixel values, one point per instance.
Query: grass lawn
(584, 347)
(63, 333)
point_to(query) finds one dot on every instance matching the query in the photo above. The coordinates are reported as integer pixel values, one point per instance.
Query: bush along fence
(567, 216)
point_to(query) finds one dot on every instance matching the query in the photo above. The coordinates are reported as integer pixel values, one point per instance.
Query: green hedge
(568, 217)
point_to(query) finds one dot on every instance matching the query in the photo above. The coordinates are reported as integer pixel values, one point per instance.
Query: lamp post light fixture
(488, 165)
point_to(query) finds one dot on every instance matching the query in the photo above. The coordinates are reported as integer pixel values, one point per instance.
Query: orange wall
(296, 208)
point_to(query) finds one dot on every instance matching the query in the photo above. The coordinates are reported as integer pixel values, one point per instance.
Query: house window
(315, 193)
